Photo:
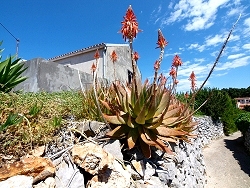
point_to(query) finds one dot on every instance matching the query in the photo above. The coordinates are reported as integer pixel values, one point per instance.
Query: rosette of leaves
(10, 74)
(151, 118)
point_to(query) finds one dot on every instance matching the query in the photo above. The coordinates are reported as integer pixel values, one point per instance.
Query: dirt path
(228, 165)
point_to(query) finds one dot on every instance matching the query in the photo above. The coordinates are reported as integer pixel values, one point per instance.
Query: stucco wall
(106, 67)
(44, 75)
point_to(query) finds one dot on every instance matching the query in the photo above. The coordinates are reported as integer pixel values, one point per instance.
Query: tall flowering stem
(114, 58)
(94, 69)
(161, 43)
(175, 65)
(212, 69)
(129, 31)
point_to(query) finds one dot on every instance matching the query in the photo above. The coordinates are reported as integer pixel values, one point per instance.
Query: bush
(243, 122)
(219, 106)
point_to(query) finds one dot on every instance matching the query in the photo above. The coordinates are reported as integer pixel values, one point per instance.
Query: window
(130, 76)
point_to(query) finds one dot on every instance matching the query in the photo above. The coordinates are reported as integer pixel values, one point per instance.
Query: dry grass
(42, 115)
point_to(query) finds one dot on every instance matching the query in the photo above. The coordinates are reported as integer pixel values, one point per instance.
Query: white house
(83, 59)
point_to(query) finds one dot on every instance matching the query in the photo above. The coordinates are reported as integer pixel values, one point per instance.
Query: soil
(227, 163)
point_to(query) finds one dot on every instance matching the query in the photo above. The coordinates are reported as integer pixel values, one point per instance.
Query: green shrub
(243, 122)
(219, 106)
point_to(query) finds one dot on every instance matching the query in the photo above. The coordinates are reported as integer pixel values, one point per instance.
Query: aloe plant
(10, 73)
(148, 120)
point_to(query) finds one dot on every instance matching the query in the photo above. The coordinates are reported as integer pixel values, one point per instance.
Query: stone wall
(187, 168)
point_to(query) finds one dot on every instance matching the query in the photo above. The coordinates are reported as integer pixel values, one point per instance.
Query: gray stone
(67, 173)
(114, 147)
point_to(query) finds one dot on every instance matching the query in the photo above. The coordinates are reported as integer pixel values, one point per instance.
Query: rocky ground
(81, 157)
(227, 163)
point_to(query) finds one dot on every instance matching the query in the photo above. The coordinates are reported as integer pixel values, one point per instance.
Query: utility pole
(17, 40)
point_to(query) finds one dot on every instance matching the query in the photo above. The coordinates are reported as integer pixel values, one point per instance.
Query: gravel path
(228, 165)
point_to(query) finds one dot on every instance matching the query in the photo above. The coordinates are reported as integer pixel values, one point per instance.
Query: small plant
(12, 119)
(56, 121)
(35, 109)
(10, 74)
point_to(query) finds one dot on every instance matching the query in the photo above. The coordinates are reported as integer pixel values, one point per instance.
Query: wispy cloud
(235, 56)
(210, 40)
(200, 14)
(246, 46)
(240, 62)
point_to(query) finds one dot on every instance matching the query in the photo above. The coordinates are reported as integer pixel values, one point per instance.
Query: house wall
(83, 62)
(106, 67)
(44, 75)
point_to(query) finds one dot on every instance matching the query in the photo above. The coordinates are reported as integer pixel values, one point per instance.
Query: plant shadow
(239, 153)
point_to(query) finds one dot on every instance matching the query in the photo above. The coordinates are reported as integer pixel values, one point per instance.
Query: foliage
(219, 106)
(43, 114)
(243, 122)
(237, 92)
(10, 74)
(12, 119)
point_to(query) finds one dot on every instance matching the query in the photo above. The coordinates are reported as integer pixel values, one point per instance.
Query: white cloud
(240, 62)
(235, 56)
(201, 14)
(246, 46)
(200, 60)
(247, 22)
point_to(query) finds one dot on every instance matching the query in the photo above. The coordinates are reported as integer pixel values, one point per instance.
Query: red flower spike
(161, 42)
(157, 65)
(97, 55)
(173, 72)
(176, 61)
(129, 28)
(163, 80)
(186, 95)
(93, 67)
(113, 56)
(136, 56)
(192, 78)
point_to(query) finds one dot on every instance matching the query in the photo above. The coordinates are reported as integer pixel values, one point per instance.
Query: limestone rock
(37, 167)
(107, 171)
(17, 181)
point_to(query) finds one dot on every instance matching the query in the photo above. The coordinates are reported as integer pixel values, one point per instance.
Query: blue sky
(194, 29)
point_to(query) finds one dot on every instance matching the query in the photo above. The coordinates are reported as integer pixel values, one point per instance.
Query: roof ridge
(80, 50)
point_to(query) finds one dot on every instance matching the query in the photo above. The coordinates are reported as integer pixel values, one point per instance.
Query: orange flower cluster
(136, 56)
(176, 61)
(113, 56)
(93, 67)
(157, 65)
(173, 72)
(192, 78)
(129, 28)
(97, 55)
(161, 42)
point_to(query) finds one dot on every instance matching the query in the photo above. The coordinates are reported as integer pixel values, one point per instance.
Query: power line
(17, 40)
